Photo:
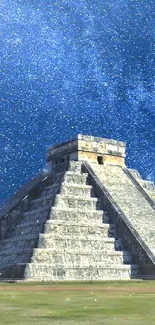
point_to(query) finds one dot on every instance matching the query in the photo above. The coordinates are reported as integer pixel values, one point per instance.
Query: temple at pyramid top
(90, 148)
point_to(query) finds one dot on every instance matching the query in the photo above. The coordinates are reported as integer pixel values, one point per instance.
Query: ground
(107, 303)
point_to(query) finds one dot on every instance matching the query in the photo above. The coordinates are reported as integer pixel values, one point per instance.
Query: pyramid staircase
(66, 234)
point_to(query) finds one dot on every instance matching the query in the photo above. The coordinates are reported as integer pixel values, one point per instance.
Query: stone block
(77, 202)
(70, 215)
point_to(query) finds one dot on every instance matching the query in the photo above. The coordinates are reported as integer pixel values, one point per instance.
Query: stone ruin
(89, 218)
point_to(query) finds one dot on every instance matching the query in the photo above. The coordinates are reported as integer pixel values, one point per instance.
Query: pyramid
(89, 218)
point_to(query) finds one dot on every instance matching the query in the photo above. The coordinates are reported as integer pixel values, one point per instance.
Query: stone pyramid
(90, 218)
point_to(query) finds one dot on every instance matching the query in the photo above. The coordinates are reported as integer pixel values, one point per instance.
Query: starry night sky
(74, 66)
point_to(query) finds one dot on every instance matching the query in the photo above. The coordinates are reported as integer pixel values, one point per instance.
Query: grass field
(108, 303)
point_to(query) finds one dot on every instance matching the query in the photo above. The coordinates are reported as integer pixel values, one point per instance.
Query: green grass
(107, 303)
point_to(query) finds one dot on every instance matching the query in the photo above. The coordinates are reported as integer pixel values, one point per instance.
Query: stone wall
(88, 148)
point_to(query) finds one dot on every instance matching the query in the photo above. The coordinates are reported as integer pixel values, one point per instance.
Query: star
(70, 67)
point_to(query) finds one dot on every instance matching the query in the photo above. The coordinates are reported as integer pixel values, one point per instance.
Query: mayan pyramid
(89, 218)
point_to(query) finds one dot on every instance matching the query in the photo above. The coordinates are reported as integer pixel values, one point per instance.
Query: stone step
(38, 215)
(76, 189)
(90, 222)
(83, 263)
(52, 228)
(41, 202)
(75, 177)
(81, 250)
(36, 211)
(18, 238)
(75, 166)
(12, 246)
(12, 272)
(84, 259)
(22, 241)
(75, 236)
(74, 222)
(50, 190)
(67, 188)
(59, 227)
(77, 202)
(29, 224)
(68, 214)
(28, 228)
(15, 258)
(17, 251)
(47, 272)
(57, 178)
(104, 244)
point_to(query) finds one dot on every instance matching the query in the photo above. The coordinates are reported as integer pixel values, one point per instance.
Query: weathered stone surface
(41, 202)
(66, 230)
(75, 238)
(46, 272)
(76, 202)
(65, 235)
(17, 248)
(71, 177)
(79, 228)
(50, 190)
(76, 190)
(88, 148)
(37, 215)
(78, 258)
(138, 211)
(70, 216)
